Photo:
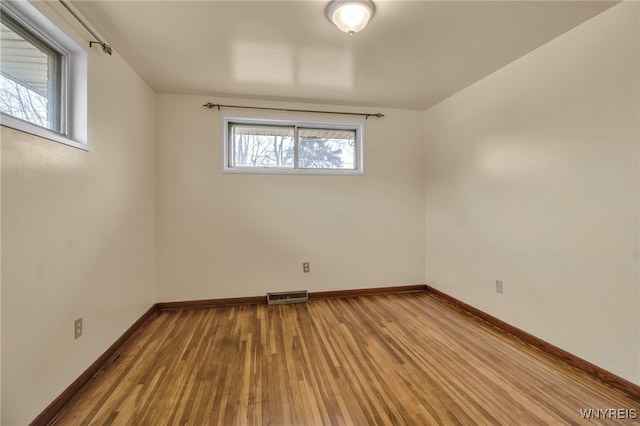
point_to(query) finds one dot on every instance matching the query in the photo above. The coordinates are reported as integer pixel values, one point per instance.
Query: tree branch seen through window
(23, 103)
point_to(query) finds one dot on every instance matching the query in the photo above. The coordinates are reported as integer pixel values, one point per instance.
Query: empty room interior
(271, 212)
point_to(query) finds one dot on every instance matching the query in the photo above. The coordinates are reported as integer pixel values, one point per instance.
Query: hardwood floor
(388, 359)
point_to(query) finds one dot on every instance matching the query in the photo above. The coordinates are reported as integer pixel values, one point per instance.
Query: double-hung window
(43, 81)
(259, 145)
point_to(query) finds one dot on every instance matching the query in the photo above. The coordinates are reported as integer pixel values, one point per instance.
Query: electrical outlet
(305, 267)
(78, 327)
(499, 286)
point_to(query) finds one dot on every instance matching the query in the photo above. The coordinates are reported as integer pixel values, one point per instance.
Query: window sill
(283, 171)
(32, 129)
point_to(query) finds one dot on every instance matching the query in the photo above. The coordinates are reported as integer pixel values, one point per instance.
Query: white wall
(231, 235)
(532, 177)
(77, 240)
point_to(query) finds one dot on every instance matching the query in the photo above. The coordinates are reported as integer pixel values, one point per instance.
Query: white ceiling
(412, 55)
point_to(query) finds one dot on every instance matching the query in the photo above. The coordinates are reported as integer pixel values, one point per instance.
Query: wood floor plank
(402, 359)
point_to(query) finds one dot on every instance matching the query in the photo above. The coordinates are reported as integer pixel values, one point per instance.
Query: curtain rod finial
(105, 47)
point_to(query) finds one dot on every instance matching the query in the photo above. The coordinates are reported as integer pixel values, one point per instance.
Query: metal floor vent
(284, 297)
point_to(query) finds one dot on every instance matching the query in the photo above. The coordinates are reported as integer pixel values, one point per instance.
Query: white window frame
(74, 79)
(357, 126)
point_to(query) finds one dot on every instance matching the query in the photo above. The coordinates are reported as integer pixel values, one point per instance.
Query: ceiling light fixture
(350, 16)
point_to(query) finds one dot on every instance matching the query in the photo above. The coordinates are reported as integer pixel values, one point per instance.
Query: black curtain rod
(366, 115)
(105, 47)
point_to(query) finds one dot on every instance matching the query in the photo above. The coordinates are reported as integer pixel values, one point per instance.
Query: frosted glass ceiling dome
(350, 16)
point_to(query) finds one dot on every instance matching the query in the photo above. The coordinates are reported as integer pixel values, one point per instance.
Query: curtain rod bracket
(105, 47)
(366, 115)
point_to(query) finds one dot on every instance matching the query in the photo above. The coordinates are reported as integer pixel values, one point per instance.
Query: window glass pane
(262, 146)
(29, 76)
(326, 149)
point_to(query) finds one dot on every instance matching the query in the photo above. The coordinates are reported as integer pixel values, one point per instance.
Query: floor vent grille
(285, 297)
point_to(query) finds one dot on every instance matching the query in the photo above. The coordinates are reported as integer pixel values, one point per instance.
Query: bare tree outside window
(23, 103)
(263, 146)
